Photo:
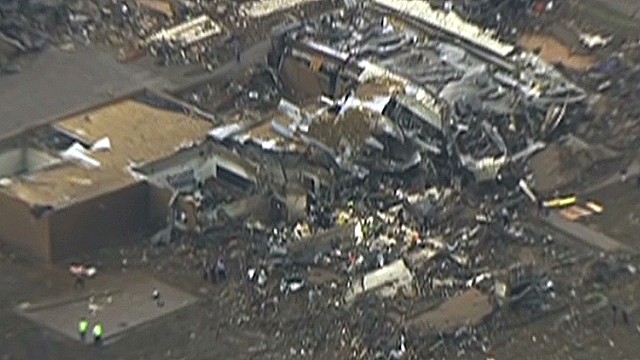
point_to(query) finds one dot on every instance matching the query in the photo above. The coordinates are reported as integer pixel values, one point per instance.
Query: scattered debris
(594, 40)
(188, 32)
(375, 176)
(261, 8)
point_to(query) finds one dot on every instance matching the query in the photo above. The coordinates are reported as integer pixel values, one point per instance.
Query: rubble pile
(261, 8)
(499, 112)
(509, 18)
(125, 25)
(373, 180)
(396, 184)
(172, 31)
(373, 254)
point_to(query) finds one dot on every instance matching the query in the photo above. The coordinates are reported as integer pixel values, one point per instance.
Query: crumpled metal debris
(499, 111)
(414, 189)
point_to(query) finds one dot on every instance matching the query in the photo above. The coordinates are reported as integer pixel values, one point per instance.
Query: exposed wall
(203, 168)
(158, 206)
(203, 160)
(11, 161)
(296, 203)
(21, 229)
(35, 160)
(17, 160)
(301, 79)
(245, 207)
(107, 220)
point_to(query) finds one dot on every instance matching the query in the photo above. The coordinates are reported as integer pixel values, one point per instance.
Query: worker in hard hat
(83, 328)
(98, 332)
(351, 204)
(343, 218)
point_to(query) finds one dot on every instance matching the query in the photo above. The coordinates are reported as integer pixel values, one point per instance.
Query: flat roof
(139, 133)
(54, 83)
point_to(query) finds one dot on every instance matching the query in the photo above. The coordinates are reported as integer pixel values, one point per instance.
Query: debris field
(410, 179)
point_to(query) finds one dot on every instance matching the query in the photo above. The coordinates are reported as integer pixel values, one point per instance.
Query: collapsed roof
(443, 86)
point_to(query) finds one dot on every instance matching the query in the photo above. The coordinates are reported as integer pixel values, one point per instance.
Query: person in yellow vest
(83, 328)
(98, 331)
(343, 218)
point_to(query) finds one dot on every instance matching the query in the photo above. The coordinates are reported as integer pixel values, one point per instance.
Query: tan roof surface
(139, 133)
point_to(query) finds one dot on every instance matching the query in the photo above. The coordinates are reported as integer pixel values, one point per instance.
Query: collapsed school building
(393, 91)
(390, 87)
(430, 84)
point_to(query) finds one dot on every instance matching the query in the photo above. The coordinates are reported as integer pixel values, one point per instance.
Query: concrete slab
(584, 233)
(119, 302)
(467, 308)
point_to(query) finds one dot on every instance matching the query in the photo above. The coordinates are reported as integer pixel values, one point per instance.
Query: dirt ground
(553, 51)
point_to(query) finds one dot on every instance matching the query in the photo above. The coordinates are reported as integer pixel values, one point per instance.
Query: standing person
(205, 269)
(79, 282)
(211, 270)
(78, 272)
(98, 331)
(155, 294)
(83, 328)
(221, 270)
(448, 6)
(238, 50)
(626, 317)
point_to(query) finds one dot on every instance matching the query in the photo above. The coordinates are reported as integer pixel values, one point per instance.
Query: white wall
(233, 167)
(15, 161)
(36, 160)
(11, 162)
(204, 168)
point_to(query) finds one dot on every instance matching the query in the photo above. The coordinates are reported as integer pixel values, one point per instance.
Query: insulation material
(77, 153)
(188, 32)
(263, 8)
(449, 21)
(103, 144)
(162, 7)
(375, 72)
(575, 212)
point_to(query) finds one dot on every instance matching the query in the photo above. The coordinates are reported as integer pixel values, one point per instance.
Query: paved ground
(122, 302)
(196, 332)
(611, 231)
(56, 83)
(585, 234)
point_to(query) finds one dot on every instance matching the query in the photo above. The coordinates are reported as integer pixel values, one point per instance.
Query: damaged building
(435, 86)
(379, 179)
(373, 90)
(103, 175)
(373, 126)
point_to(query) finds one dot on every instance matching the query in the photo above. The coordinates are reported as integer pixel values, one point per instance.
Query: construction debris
(261, 8)
(187, 33)
(386, 183)
(393, 170)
